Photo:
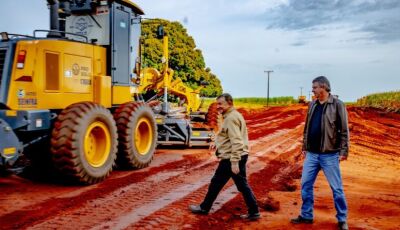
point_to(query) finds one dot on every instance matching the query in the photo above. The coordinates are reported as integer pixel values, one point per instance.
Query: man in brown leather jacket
(232, 146)
(325, 143)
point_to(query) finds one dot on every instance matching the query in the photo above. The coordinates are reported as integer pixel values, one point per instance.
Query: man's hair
(323, 82)
(228, 98)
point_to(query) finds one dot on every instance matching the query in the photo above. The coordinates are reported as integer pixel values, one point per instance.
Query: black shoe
(196, 209)
(301, 220)
(343, 225)
(249, 216)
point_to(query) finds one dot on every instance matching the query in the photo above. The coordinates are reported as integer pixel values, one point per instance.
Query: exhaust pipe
(54, 5)
(59, 10)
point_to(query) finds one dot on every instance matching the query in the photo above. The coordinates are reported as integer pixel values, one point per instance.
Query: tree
(184, 58)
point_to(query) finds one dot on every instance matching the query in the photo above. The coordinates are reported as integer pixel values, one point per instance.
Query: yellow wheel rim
(143, 136)
(97, 144)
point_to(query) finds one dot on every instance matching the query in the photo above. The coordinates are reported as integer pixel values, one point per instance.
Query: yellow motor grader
(302, 99)
(182, 124)
(79, 86)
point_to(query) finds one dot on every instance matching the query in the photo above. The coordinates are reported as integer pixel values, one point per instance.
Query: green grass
(389, 101)
(255, 102)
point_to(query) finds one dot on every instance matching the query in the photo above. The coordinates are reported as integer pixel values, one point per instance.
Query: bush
(256, 102)
(389, 101)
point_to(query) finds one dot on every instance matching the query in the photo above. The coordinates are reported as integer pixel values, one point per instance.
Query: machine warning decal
(82, 25)
(21, 93)
(84, 71)
(31, 94)
(9, 151)
(86, 82)
(11, 113)
(29, 101)
(75, 69)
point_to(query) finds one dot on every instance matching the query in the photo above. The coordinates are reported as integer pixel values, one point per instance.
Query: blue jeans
(329, 163)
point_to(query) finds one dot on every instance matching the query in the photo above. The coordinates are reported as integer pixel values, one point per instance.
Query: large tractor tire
(84, 142)
(213, 117)
(137, 134)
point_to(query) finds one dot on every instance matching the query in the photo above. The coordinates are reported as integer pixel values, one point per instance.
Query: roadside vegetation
(255, 102)
(389, 101)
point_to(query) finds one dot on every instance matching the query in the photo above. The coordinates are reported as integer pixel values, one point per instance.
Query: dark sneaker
(249, 216)
(196, 209)
(343, 225)
(301, 220)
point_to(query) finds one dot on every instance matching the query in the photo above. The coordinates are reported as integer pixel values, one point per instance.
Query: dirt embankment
(157, 197)
(371, 179)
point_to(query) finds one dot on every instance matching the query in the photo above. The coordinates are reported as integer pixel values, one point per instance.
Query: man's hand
(303, 153)
(212, 147)
(235, 167)
(342, 158)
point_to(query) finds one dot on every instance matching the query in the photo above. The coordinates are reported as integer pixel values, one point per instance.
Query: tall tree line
(185, 59)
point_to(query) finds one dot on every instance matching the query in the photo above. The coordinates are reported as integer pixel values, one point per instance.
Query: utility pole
(301, 91)
(268, 72)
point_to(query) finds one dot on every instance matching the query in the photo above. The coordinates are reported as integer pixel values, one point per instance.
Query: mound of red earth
(157, 197)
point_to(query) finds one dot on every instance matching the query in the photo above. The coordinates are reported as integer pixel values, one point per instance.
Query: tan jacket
(232, 141)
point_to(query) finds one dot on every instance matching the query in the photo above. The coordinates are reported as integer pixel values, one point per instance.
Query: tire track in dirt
(137, 195)
(257, 162)
(56, 206)
(20, 193)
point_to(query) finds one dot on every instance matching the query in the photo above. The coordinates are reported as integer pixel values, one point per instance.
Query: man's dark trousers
(222, 176)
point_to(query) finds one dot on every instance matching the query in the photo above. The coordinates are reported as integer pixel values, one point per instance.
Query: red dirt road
(157, 197)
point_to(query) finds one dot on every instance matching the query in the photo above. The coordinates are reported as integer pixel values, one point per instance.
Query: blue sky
(355, 43)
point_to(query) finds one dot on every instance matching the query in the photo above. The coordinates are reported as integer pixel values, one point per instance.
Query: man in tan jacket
(232, 148)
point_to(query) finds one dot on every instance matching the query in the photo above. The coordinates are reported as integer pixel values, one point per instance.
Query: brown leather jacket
(335, 129)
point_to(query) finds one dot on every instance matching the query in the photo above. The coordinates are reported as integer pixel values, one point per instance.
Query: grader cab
(78, 88)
